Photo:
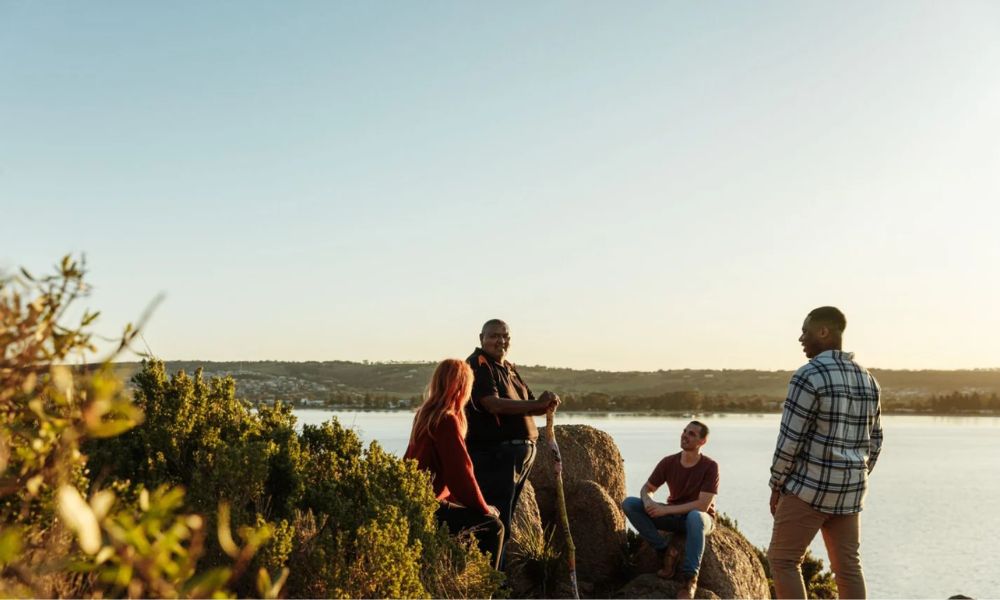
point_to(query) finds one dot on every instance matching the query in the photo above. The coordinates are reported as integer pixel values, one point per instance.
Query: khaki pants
(795, 526)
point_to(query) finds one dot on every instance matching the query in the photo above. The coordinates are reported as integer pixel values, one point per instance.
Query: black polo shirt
(501, 380)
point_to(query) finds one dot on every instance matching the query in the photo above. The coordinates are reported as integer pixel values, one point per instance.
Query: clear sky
(631, 185)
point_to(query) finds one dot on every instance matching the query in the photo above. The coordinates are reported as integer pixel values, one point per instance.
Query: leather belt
(517, 443)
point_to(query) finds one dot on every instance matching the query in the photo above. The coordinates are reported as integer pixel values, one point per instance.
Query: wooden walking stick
(561, 500)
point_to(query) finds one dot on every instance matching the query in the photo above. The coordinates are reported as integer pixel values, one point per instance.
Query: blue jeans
(694, 526)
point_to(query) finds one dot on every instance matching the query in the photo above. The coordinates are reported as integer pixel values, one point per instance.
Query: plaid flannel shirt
(830, 434)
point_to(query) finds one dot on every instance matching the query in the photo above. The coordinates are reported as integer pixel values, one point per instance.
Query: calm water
(931, 524)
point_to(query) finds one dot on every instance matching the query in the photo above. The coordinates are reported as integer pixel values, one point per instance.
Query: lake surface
(931, 523)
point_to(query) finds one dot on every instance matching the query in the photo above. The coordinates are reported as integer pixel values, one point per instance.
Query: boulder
(598, 529)
(536, 563)
(651, 586)
(730, 566)
(588, 454)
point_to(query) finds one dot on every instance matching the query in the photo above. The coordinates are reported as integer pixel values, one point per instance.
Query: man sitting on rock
(693, 481)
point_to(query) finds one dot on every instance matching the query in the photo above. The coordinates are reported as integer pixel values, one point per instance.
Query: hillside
(387, 385)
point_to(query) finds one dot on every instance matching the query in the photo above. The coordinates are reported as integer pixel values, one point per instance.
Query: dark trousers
(487, 529)
(501, 471)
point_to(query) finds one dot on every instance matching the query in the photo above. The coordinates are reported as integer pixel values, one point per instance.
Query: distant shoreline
(651, 413)
(341, 385)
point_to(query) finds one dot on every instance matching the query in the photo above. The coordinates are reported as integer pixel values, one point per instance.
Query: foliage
(819, 581)
(52, 540)
(368, 527)
(724, 520)
(537, 560)
(958, 402)
(198, 435)
(151, 550)
(460, 570)
(102, 496)
(352, 521)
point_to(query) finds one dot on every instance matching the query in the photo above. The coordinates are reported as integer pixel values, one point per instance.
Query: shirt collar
(504, 363)
(835, 354)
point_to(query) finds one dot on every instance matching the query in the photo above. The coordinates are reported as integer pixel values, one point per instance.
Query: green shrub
(53, 541)
(101, 496)
(199, 435)
(368, 528)
(350, 521)
(819, 581)
(537, 563)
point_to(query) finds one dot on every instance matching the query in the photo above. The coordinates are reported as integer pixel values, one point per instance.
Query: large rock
(651, 586)
(536, 564)
(535, 568)
(598, 529)
(587, 454)
(730, 566)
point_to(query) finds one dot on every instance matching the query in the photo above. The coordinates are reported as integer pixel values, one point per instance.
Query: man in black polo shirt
(502, 433)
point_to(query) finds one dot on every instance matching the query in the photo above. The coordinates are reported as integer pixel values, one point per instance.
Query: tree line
(695, 401)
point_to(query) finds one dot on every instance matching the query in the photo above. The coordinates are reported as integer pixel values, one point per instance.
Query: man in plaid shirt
(829, 440)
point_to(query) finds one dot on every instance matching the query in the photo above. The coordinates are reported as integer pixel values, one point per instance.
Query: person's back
(437, 444)
(441, 451)
(839, 447)
(828, 443)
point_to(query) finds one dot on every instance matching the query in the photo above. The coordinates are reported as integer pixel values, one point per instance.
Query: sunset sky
(632, 186)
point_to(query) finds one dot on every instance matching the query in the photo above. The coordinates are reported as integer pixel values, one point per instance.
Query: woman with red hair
(437, 443)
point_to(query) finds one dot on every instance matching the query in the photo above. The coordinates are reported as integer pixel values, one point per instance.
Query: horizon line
(525, 365)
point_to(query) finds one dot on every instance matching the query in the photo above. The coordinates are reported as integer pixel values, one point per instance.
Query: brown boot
(687, 588)
(670, 556)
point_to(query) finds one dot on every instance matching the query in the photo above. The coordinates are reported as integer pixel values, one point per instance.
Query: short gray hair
(491, 323)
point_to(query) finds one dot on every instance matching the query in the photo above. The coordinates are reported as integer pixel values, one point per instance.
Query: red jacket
(447, 458)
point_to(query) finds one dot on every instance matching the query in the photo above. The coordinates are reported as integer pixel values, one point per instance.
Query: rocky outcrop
(594, 485)
(729, 567)
(537, 566)
(588, 454)
(598, 529)
(651, 586)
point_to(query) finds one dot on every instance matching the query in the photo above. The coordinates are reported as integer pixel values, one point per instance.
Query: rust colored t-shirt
(686, 483)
